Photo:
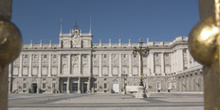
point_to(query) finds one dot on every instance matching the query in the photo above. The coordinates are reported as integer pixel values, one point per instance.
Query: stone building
(76, 65)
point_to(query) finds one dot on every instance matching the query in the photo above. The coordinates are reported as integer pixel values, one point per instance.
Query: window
(95, 85)
(34, 71)
(94, 56)
(157, 69)
(95, 71)
(115, 56)
(105, 71)
(135, 56)
(53, 85)
(156, 54)
(25, 71)
(24, 85)
(84, 56)
(44, 86)
(158, 85)
(25, 56)
(64, 56)
(105, 55)
(45, 56)
(125, 55)
(135, 71)
(44, 71)
(54, 56)
(184, 51)
(54, 71)
(167, 69)
(115, 71)
(167, 54)
(125, 70)
(35, 56)
(105, 85)
(15, 72)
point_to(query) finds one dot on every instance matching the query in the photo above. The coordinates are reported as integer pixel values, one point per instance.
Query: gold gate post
(204, 46)
(10, 47)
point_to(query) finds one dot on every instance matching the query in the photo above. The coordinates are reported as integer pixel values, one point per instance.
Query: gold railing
(204, 46)
(10, 47)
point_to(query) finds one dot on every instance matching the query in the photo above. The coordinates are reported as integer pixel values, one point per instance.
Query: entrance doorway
(34, 87)
(75, 87)
(84, 87)
(64, 87)
(115, 88)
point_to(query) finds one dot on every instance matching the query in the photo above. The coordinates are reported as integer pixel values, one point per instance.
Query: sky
(158, 20)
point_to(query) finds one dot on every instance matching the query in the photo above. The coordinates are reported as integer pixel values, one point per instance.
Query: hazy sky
(158, 20)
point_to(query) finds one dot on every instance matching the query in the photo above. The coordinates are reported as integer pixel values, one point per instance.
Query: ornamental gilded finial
(204, 46)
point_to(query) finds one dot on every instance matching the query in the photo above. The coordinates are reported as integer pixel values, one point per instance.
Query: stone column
(40, 63)
(10, 69)
(151, 57)
(59, 64)
(20, 66)
(180, 61)
(120, 65)
(80, 65)
(69, 64)
(162, 64)
(188, 59)
(129, 65)
(67, 85)
(100, 64)
(49, 66)
(79, 90)
(110, 65)
(90, 64)
(88, 85)
(30, 66)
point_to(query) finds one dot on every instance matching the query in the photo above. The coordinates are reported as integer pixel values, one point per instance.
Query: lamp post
(143, 52)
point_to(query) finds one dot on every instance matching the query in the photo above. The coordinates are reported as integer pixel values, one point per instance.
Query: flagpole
(61, 27)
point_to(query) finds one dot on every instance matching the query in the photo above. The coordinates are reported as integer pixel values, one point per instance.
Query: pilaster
(152, 65)
(129, 65)
(88, 85)
(59, 64)
(80, 65)
(162, 64)
(69, 64)
(20, 65)
(120, 65)
(49, 68)
(79, 85)
(100, 64)
(90, 64)
(110, 65)
(67, 85)
(40, 63)
(10, 69)
(188, 59)
(180, 60)
(30, 66)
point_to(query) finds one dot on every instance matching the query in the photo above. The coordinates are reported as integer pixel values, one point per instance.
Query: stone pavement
(157, 101)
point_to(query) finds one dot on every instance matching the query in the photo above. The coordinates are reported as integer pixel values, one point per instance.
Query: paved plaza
(101, 101)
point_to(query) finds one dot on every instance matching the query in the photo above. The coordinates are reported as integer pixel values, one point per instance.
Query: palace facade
(76, 65)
